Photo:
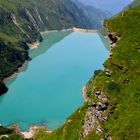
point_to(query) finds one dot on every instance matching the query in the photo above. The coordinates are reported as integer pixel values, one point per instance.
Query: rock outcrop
(98, 111)
(95, 114)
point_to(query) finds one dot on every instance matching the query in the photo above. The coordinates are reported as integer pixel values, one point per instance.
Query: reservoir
(49, 88)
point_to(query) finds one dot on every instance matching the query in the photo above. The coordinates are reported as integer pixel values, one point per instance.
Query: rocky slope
(21, 23)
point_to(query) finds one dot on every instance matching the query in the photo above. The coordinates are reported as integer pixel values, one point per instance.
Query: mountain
(113, 6)
(21, 22)
(94, 15)
(112, 107)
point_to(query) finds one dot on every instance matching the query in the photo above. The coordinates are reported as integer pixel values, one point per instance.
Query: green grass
(124, 124)
(124, 65)
(8, 39)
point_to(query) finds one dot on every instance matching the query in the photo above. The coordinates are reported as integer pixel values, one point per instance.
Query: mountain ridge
(113, 7)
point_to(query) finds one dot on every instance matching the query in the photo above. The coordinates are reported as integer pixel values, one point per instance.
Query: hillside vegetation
(113, 107)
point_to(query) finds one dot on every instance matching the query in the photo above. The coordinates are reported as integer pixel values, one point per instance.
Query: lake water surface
(50, 88)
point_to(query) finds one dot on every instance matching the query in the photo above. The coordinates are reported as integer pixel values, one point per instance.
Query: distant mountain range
(113, 6)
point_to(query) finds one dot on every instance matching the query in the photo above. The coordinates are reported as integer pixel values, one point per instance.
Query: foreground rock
(95, 114)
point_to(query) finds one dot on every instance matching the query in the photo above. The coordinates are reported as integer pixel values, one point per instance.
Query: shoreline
(16, 73)
(31, 132)
(34, 45)
(51, 31)
(74, 29)
(33, 129)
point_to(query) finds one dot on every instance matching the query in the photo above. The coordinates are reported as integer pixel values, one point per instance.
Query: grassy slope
(125, 122)
(122, 87)
(69, 130)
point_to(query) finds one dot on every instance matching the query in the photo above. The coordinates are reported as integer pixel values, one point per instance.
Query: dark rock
(126, 80)
(111, 113)
(108, 137)
(93, 104)
(97, 93)
(113, 38)
(110, 54)
(101, 106)
(3, 89)
(108, 74)
(91, 107)
(99, 130)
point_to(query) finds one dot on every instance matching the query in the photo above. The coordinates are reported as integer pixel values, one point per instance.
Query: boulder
(97, 93)
(101, 106)
(104, 100)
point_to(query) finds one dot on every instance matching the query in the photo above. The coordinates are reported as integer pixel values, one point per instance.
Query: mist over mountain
(113, 6)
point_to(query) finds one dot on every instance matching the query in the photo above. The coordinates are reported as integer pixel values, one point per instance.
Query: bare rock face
(105, 101)
(101, 106)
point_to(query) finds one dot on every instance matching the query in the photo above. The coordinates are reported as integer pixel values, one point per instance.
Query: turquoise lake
(49, 88)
